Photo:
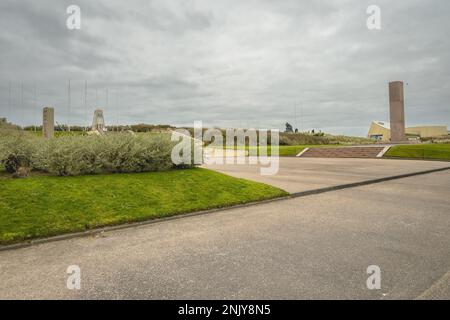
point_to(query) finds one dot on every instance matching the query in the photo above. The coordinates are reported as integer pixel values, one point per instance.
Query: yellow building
(380, 130)
(428, 131)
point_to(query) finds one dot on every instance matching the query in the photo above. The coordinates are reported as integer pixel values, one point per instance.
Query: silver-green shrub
(130, 153)
(113, 153)
(16, 149)
(78, 155)
(69, 155)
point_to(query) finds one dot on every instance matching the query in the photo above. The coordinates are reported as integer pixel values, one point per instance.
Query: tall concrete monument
(48, 122)
(98, 123)
(397, 111)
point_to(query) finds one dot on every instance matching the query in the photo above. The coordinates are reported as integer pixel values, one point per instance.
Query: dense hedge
(77, 155)
(16, 149)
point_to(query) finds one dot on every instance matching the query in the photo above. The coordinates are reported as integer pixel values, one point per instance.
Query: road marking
(382, 152)
(302, 152)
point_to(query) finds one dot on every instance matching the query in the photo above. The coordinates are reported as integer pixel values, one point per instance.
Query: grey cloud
(228, 63)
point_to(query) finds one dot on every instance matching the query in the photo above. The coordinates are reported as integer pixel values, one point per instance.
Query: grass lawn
(42, 206)
(421, 151)
(287, 151)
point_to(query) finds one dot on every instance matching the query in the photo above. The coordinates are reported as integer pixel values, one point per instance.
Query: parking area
(302, 174)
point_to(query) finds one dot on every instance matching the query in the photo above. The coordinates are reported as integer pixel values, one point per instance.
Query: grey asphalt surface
(302, 174)
(317, 246)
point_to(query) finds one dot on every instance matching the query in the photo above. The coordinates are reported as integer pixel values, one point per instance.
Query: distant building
(428, 131)
(394, 130)
(381, 131)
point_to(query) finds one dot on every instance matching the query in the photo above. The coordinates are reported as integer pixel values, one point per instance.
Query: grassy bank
(290, 151)
(421, 151)
(43, 206)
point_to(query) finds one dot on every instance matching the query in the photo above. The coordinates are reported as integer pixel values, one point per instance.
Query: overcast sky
(229, 63)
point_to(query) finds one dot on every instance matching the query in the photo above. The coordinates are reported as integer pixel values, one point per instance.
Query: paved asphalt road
(317, 246)
(301, 174)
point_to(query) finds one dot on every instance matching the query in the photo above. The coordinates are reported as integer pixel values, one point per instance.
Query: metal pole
(295, 116)
(68, 107)
(35, 108)
(85, 102)
(117, 115)
(21, 97)
(301, 114)
(9, 102)
(106, 104)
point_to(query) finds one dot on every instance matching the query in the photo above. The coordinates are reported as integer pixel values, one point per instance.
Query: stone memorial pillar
(397, 111)
(98, 123)
(48, 123)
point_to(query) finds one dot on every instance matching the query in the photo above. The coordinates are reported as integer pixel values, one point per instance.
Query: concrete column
(397, 111)
(48, 122)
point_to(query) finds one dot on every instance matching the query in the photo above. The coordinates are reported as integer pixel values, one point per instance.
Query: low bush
(129, 153)
(68, 155)
(16, 150)
(79, 155)
(292, 139)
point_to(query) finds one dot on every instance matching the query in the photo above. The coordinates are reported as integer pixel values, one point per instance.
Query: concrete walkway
(317, 246)
(302, 174)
